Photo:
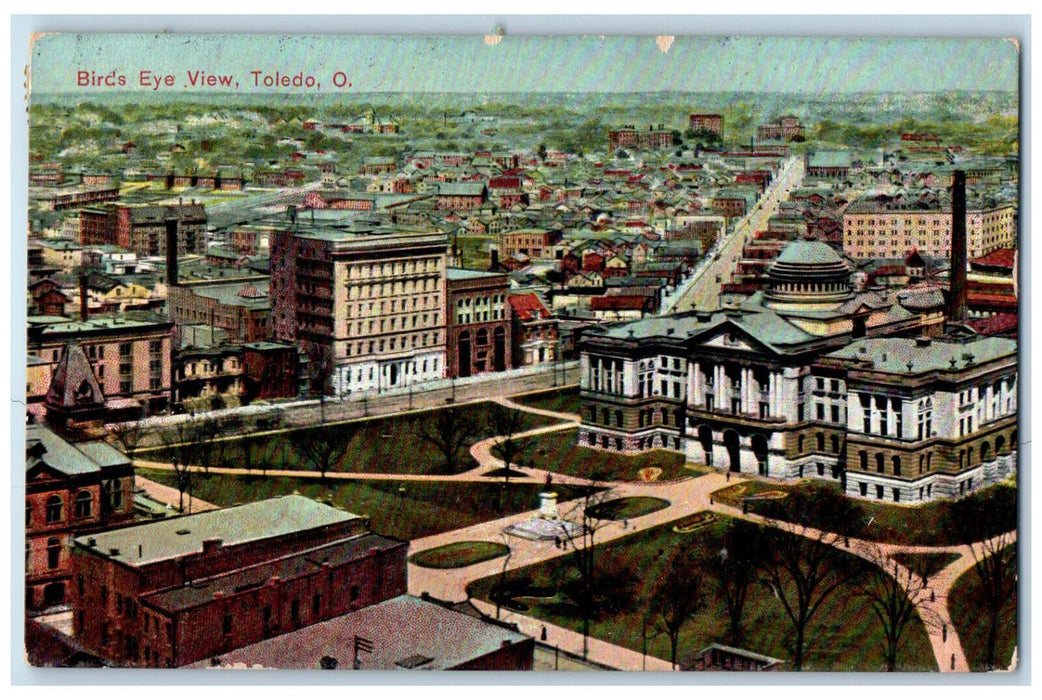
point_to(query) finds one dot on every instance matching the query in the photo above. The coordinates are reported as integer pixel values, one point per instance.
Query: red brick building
(143, 229)
(478, 316)
(712, 123)
(175, 591)
(69, 489)
(535, 333)
(269, 370)
(652, 139)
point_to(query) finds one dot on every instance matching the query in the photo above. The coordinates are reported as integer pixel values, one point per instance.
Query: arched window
(28, 514)
(924, 418)
(835, 444)
(1000, 444)
(985, 452)
(618, 418)
(821, 442)
(54, 509)
(54, 550)
(799, 444)
(83, 504)
(112, 492)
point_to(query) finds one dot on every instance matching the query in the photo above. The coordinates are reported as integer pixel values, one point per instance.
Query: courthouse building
(772, 386)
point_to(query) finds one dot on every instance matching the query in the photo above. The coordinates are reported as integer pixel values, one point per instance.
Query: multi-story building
(892, 227)
(652, 139)
(270, 370)
(70, 489)
(129, 355)
(773, 386)
(533, 242)
(787, 128)
(535, 333)
(370, 300)
(144, 229)
(478, 316)
(711, 123)
(167, 593)
(241, 307)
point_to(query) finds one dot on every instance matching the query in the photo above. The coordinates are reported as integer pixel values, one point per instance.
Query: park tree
(733, 571)
(894, 593)
(507, 422)
(450, 431)
(182, 447)
(126, 436)
(679, 597)
(986, 522)
(589, 516)
(804, 567)
(320, 371)
(322, 449)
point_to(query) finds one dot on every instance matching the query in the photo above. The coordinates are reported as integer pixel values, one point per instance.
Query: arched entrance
(499, 349)
(705, 439)
(464, 354)
(733, 451)
(53, 594)
(760, 452)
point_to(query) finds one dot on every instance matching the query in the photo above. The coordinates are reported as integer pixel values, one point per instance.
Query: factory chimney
(957, 274)
(171, 252)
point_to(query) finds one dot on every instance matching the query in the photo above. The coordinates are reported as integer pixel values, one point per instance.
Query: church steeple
(74, 397)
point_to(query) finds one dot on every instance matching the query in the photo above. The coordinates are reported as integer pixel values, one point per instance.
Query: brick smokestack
(171, 252)
(957, 275)
(83, 296)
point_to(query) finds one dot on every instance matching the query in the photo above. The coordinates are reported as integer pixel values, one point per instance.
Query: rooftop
(894, 355)
(250, 522)
(45, 447)
(407, 633)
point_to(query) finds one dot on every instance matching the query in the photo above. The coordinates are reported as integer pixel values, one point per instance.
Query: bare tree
(678, 598)
(978, 521)
(506, 423)
(449, 430)
(127, 436)
(321, 448)
(733, 571)
(589, 514)
(181, 443)
(894, 593)
(320, 371)
(804, 568)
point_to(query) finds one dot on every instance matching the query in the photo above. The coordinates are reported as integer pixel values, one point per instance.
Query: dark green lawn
(562, 400)
(459, 554)
(558, 452)
(844, 637)
(423, 508)
(626, 508)
(971, 622)
(908, 525)
(387, 445)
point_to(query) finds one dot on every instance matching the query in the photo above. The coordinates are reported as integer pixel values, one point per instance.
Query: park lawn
(844, 637)
(558, 452)
(385, 445)
(925, 564)
(560, 400)
(459, 554)
(971, 622)
(626, 508)
(424, 508)
(904, 525)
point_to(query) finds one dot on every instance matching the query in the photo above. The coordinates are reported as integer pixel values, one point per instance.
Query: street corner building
(808, 378)
(276, 580)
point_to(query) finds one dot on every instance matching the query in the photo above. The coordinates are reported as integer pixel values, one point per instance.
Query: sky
(532, 63)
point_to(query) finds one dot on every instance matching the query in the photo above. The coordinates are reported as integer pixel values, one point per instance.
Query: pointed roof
(74, 385)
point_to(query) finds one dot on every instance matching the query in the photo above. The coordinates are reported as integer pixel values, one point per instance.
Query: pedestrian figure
(729, 476)
(542, 635)
(549, 479)
(931, 595)
(625, 524)
(557, 542)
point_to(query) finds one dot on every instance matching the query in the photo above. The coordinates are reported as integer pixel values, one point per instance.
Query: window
(879, 491)
(354, 593)
(54, 550)
(83, 504)
(226, 624)
(54, 509)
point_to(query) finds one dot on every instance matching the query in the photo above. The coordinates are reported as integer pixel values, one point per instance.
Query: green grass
(560, 400)
(925, 564)
(971, 622)
(905, 525)
(459, 554)
(844, 637)
(386, 445)
(559, 453)
(626, 508)
(423, 508)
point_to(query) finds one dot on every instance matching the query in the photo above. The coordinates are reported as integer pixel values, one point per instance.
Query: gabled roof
(528, 307)
(45, 449)
(74, 385)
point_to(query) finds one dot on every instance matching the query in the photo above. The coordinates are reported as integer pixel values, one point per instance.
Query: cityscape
(550, 374)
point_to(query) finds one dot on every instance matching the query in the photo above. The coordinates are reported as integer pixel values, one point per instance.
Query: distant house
(535, 334)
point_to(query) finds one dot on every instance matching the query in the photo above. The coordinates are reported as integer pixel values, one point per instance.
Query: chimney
(495, 258)
(171, 252)
(83, 296)
(957, 275)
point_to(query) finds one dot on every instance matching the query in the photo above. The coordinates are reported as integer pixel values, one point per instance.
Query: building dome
(808, 272)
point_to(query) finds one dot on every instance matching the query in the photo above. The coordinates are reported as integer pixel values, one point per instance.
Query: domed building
(767, 387)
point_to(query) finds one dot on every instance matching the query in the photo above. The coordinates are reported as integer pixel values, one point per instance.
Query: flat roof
(459, 273)
(250, 522)
(407, 633)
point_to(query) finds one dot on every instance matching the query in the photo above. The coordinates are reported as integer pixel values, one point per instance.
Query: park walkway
(170, 496)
